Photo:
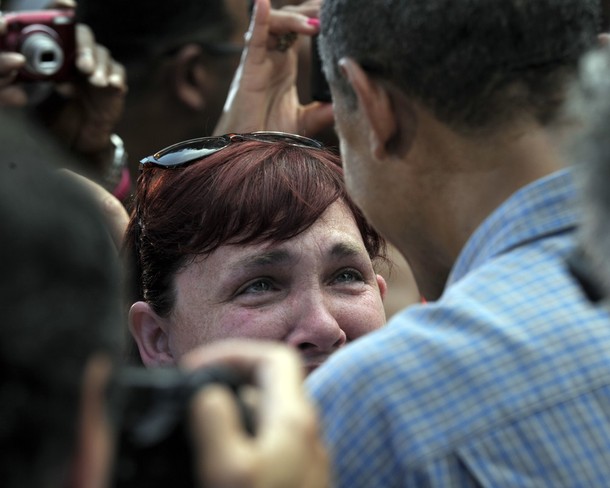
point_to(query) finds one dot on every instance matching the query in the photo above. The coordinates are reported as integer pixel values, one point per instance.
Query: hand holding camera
(152, 405)
(236, 415)
(52, 64)
(46, 39)
(286, 450)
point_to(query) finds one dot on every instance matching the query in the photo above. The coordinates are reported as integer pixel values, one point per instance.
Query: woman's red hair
(247, 193)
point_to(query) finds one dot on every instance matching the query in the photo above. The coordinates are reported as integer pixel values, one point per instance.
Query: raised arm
(263, 94)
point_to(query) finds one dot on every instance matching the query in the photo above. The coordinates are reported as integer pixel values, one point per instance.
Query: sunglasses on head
(187, 152)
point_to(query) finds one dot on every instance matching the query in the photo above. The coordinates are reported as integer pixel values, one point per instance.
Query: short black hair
(140, 34)
(471, 62)
(59, 305)
(143, 29)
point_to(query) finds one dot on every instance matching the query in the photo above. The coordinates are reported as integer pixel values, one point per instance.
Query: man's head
(256, 240)
(180, 58)
(471, 63)
(59, 308)
(443, 107)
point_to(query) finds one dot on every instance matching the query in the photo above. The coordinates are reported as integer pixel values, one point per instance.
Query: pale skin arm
(286, 451)
(263, 94)
(113, 212)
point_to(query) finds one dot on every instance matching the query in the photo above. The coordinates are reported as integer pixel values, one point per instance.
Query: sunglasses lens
(186, 152)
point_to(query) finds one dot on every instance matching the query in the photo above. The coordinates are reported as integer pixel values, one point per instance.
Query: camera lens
(44, 56)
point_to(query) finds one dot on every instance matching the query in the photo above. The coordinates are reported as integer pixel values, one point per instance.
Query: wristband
(117, 179)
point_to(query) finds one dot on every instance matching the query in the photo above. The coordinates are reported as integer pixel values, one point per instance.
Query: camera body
(150, 409)
(47, 39)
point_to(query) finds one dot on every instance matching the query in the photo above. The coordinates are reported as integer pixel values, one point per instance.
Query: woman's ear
(149, 331)
(383, 286)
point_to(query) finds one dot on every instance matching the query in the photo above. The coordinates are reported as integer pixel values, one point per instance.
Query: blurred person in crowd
(179, 57)
(451, 141)
(62, 336)
(250, 236)
(80, 110)
(61, 322)
(590, 106)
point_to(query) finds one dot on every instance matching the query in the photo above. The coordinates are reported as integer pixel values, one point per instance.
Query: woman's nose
(316, 327)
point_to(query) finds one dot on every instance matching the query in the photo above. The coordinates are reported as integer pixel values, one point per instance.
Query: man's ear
(190, 77)
(149, 331)
(93, 453)
(603, 39)
(386, 110)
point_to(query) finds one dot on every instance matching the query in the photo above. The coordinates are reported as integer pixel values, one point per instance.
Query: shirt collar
(544, 207)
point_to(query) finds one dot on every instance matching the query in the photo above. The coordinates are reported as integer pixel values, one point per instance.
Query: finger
(85, 49)
(283, 403)
(9, 65)
(276, 370)
(102, 59)
(2, 24)
(258, 33)
(261, 361)
(282, 21)
(316, 117)
(62, 4)
(117, 76)
(310, 8)
(287, 424)
(221, 444)
(13, 96)
(274, 367)
(245, 355)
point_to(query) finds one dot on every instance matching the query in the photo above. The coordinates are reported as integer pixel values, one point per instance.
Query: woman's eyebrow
(265, 259)
(285, 257)
(346, 249)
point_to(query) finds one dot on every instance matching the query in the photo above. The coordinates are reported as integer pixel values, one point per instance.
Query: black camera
(151, 411)
(47, 39)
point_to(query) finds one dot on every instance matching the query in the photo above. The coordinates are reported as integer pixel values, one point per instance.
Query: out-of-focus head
(141, 35)
(180, 58)
(590, 149)
(259, 240)
(59, 306)
(473, 64)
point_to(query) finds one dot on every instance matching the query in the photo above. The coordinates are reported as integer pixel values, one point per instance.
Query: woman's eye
(348, 276)
(258, 286)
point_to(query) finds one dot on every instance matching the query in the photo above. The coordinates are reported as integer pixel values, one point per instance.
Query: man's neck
(474, 176)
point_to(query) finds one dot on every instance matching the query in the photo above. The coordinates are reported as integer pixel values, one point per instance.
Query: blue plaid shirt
(503, 382)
